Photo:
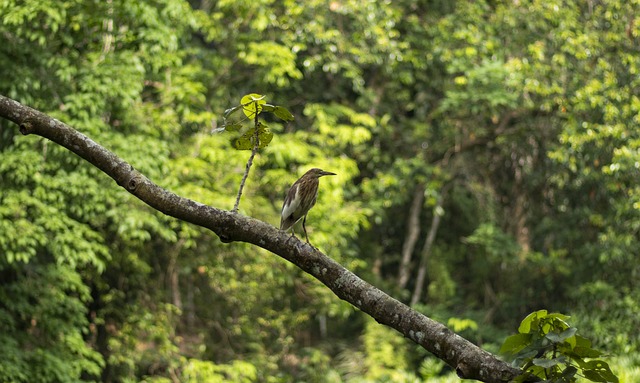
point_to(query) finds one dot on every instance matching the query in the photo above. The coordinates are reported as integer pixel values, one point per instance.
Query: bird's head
(317, 173)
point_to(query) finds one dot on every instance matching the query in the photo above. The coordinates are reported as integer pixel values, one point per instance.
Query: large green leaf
(247, 140)
(530, 321)
(599, 371)
(515, 343)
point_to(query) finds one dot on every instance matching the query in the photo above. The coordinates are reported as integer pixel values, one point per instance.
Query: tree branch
(469, 361)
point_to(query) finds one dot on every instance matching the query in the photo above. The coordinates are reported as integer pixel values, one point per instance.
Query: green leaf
(515, 343)
(233, 127)
(247, 140)
(283, 114)
(526, 324)
(268, 108)
(525, 356)
(230, 111)
(537, 370)
(599, 371)
(569, 372)
(561, 337)
(558, 321)
(252, 104)
(265, 135)
(253, 97)
(600, 376)
(522, 377)
(597, 365)
(244, 141)
(582, 342)
(546, 363)
(586, 352)
(559, 316)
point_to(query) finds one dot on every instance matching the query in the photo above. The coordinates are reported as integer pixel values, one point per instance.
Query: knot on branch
(26, 127)
(224, 238)
(462, 370)
(133, 183)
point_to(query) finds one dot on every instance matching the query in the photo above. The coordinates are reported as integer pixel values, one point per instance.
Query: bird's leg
(305, 229)
(293, 235)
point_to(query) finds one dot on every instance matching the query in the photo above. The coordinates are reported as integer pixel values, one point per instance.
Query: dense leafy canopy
(515, 123)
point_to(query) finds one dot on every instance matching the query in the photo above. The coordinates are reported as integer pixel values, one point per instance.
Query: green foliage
(207, 372)
(259, 135)
(43, 318)
(496, 245)
(522, 118)
(607, 314)
(383, 351)
(442, 286)
(548, 347)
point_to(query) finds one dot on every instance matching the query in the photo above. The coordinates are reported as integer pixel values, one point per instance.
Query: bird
(300, 199)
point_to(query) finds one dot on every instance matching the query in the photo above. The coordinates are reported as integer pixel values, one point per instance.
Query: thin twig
(254, 150)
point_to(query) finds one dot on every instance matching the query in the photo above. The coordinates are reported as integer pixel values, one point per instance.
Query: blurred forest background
(488, 160)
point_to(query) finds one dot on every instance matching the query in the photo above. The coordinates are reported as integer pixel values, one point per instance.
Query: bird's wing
(291, 204)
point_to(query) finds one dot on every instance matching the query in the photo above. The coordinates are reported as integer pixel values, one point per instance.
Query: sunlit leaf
(562, 317)
(526, 324)
(252, 104)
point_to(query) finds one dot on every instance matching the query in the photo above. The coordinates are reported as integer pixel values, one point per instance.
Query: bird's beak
(323, 173)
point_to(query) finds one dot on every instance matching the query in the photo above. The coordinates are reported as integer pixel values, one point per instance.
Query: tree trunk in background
(413, 230)
(190, 307)
(426, 251)
(173, 274)
(519, 208)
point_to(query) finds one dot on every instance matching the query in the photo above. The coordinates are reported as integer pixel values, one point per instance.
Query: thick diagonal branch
(470, 361)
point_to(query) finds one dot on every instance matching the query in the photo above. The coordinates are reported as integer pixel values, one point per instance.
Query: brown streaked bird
(300, 198)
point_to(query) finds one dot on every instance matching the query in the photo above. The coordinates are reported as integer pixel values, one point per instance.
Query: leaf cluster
(259, 135)
(548, 347)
